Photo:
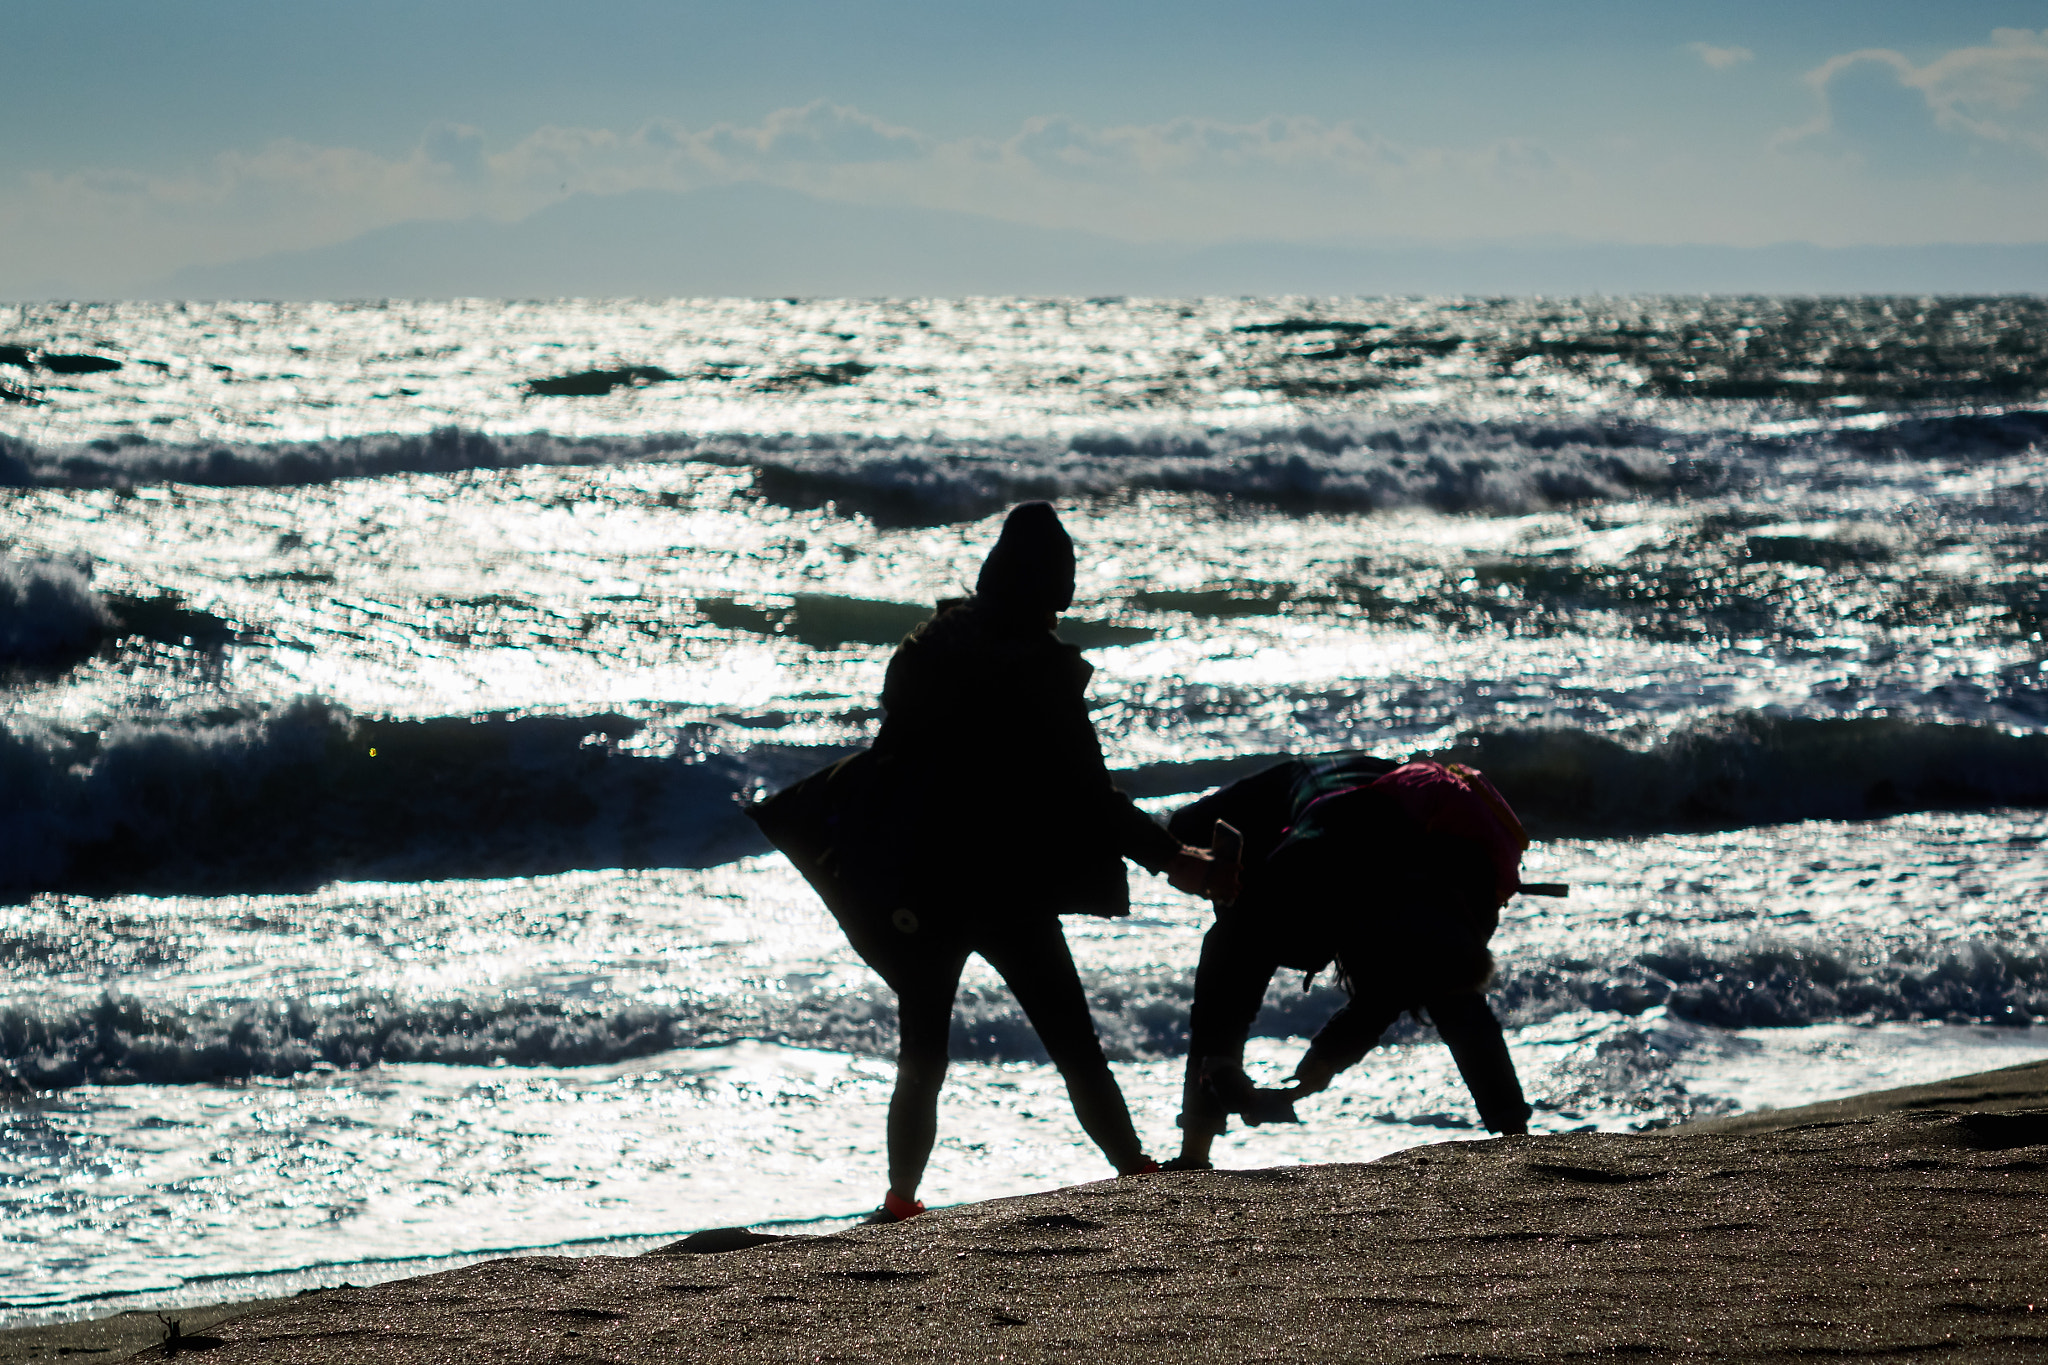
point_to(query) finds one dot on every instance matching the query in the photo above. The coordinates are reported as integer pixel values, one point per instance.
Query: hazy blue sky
(143, 137)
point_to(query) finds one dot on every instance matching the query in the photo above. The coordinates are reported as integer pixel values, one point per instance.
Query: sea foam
(126, 1039)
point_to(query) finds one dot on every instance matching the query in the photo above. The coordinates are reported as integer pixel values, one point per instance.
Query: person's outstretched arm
(1070, 755)
(1350, 1033)
(1469, 1029)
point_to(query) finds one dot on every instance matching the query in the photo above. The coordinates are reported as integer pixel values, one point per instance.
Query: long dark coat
(985, 793)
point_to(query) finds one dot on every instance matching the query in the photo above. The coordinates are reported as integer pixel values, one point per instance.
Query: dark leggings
(1240, 955)
(1030, 954)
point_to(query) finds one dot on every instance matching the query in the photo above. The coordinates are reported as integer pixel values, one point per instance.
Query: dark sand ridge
(1905, 1224)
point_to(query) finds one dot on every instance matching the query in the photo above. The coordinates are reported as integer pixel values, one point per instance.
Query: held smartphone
(1226, 846)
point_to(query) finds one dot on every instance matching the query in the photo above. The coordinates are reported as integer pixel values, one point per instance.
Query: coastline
(1906, 1222)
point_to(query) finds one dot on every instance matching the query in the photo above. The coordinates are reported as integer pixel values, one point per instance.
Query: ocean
(382, 682)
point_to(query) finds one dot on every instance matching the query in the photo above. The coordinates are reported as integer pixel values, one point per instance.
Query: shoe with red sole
(895, 1209)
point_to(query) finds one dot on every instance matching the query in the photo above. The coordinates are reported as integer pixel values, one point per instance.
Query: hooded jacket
(1003, 797)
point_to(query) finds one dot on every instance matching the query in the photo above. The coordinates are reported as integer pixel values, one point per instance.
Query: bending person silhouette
(981, 814)
(1394, 874)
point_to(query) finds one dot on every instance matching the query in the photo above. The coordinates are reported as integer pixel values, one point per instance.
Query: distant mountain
(756, 240)
(735, 240)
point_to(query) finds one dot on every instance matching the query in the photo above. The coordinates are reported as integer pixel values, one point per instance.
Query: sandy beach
(1907, 1224)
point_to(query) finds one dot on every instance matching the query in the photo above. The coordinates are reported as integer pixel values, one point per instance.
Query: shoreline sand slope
(1907, 1224)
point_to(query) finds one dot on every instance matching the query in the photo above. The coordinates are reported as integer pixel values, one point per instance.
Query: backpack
(1456, 801)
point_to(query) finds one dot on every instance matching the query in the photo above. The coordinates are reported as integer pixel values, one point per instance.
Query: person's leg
(1472, 1033)
(924, 1010)
(1032, 958)
(1203, 1115)
(1230, 985)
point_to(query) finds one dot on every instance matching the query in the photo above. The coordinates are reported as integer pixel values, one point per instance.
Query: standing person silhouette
(983, 813)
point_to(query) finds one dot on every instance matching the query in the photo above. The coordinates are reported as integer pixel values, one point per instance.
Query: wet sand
(1909, 1224)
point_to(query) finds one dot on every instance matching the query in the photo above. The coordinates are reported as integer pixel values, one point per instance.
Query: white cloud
(459, 148)
(1994, 94)
(1187, 180)
(1063, 146)
(1999, 92)
(1720, 58)
(242, 203)
(817, 132)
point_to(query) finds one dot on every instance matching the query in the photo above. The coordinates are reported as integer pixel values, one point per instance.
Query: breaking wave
(49, 613)
(124, 1040)
(1731, 771)
(1754, 769)
(1338, 465)
(1332, 464)
(286, 798)
(1448, 466)
(51, 617)
(298, 795)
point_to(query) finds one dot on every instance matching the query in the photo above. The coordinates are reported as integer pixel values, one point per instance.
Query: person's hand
(1225, 880)
(1188, 870)
(1312, 1076)
(1196, 871)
